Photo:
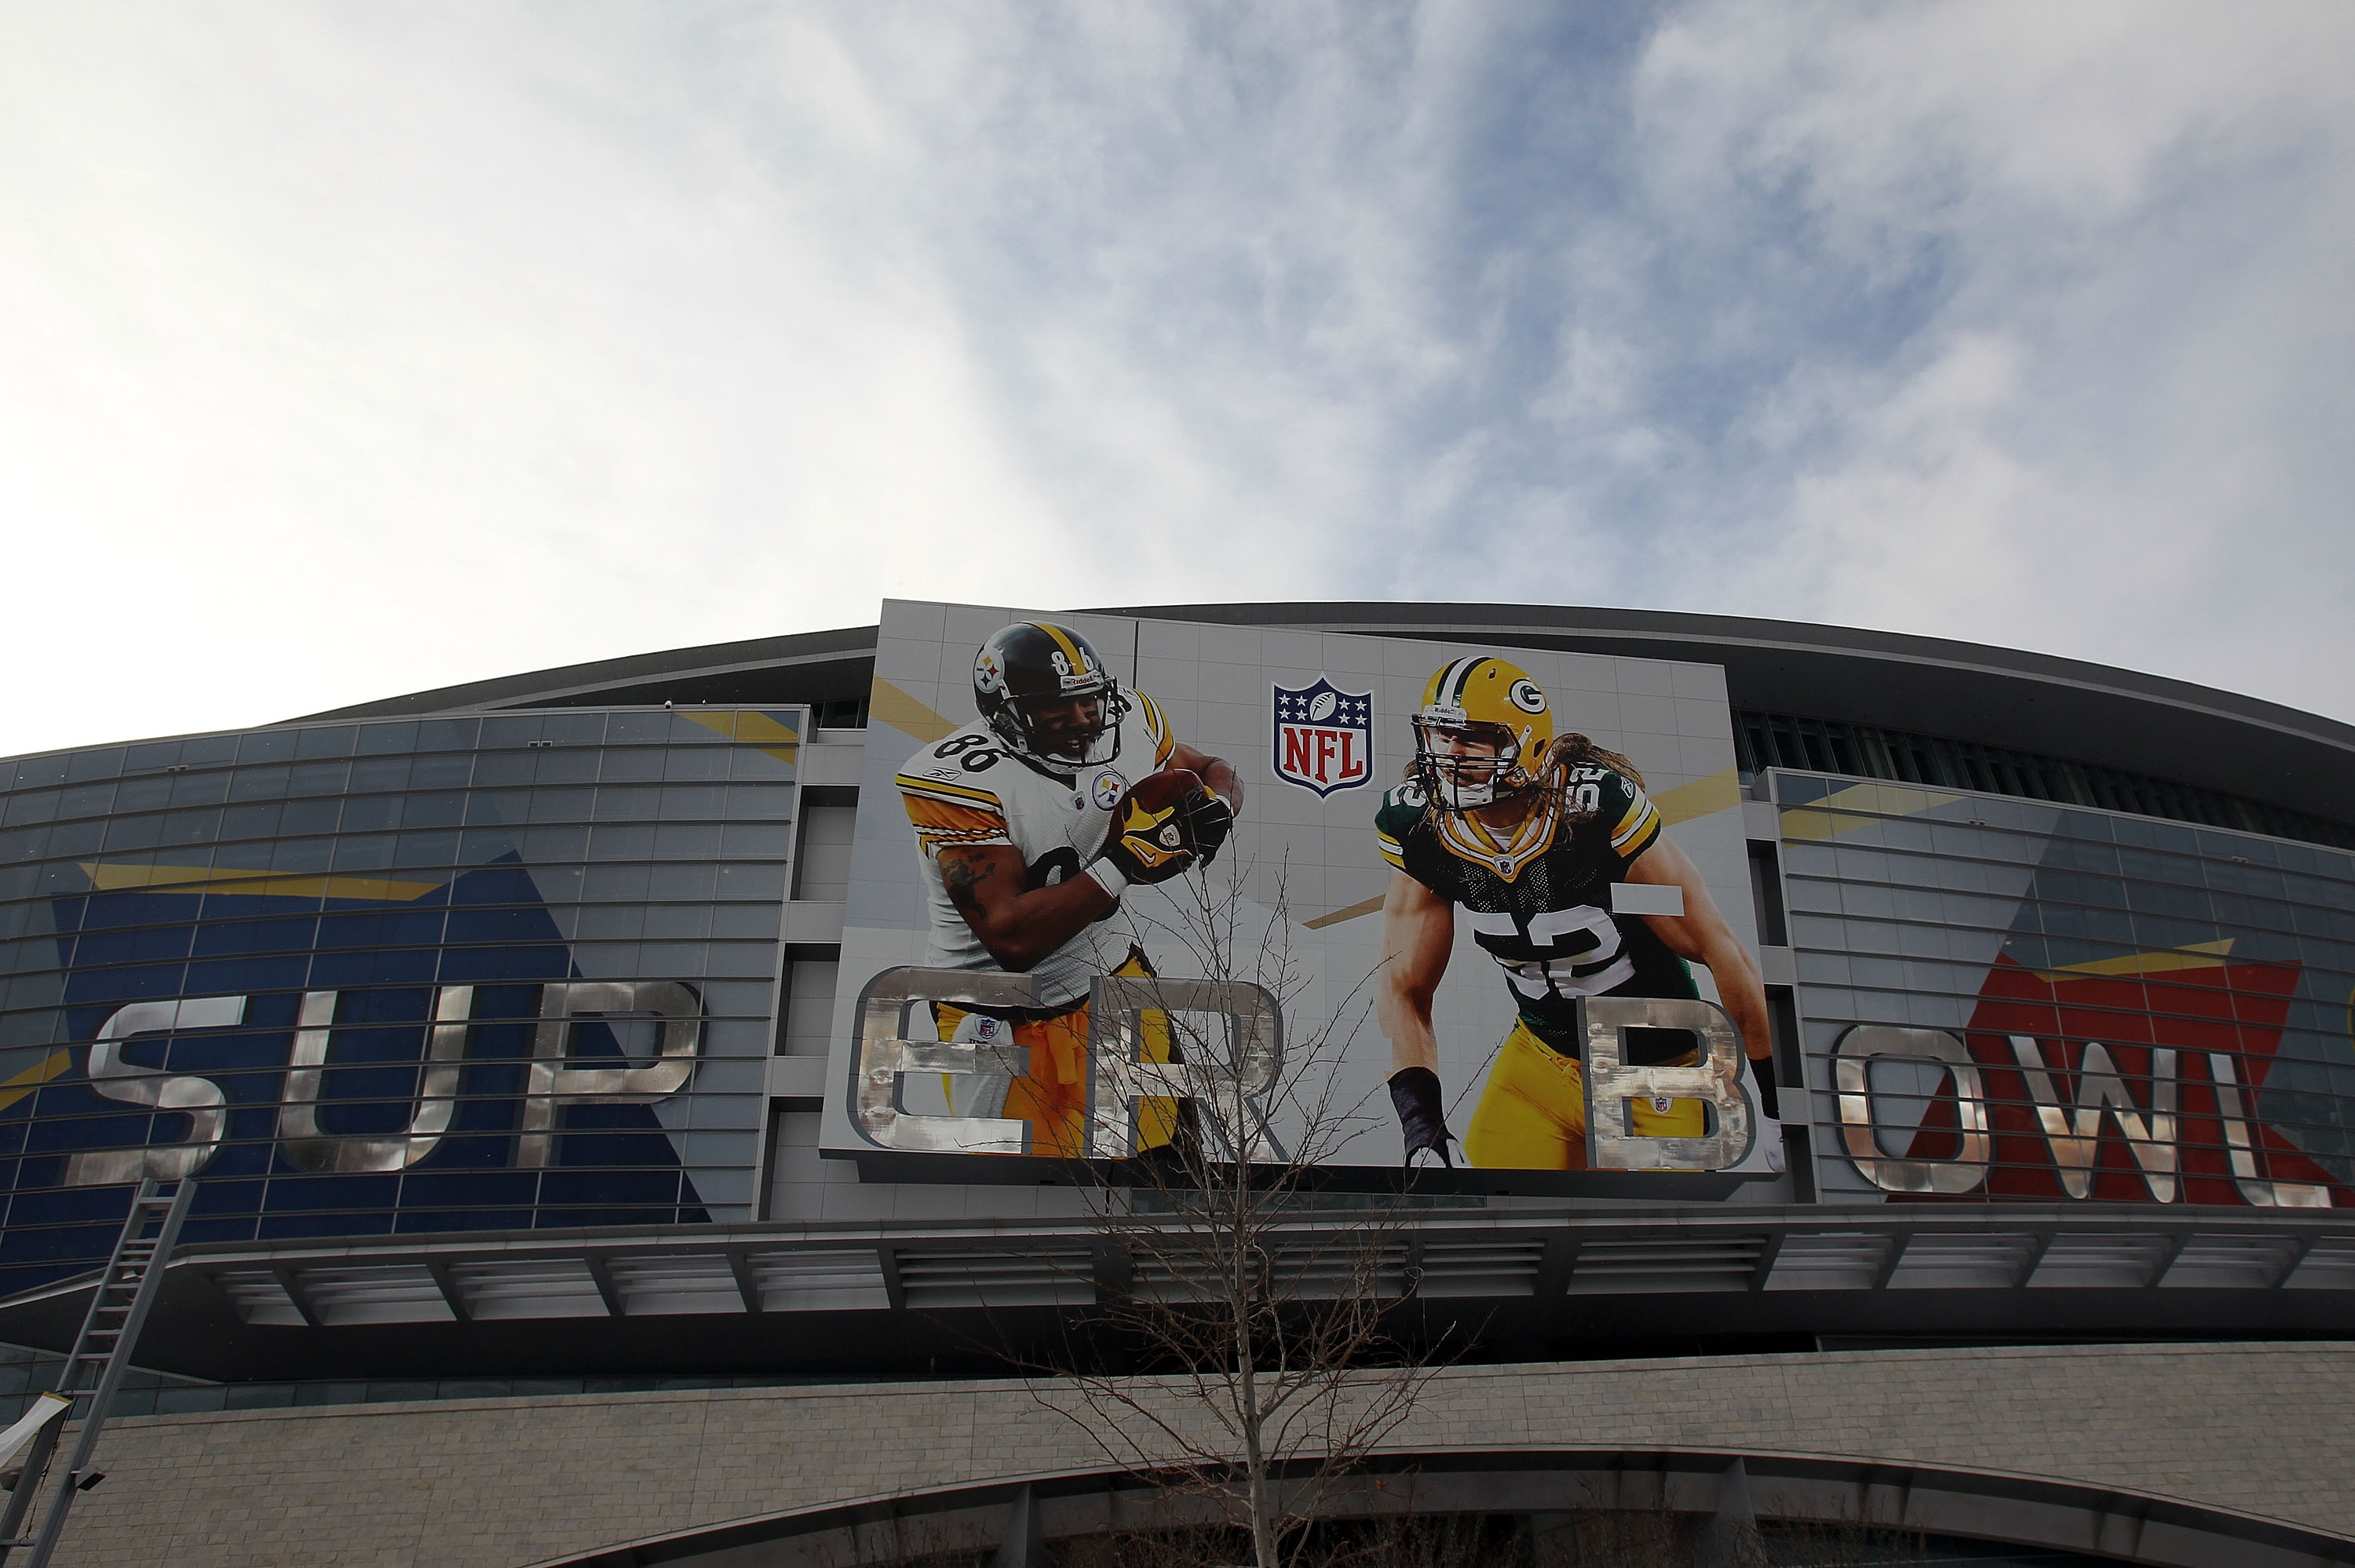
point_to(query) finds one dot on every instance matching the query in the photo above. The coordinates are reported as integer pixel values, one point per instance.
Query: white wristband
(1108, 878)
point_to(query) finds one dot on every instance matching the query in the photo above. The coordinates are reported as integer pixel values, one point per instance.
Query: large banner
(485, 973)
(1482, 910)
(2014, 1001)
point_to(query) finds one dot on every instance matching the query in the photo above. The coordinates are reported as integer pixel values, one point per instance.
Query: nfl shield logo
(1324, 737)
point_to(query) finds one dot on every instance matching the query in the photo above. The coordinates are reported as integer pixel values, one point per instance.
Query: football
(1322, 708)
(1159, 791)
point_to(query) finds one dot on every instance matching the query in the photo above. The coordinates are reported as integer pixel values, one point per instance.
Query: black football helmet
(1046, 692)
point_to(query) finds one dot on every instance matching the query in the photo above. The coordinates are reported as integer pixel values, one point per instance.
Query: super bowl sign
(1324, 737)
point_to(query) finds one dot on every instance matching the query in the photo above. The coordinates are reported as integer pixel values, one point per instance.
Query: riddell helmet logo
(1324, 737)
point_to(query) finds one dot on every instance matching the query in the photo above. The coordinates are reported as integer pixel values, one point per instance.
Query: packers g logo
(1524, 694)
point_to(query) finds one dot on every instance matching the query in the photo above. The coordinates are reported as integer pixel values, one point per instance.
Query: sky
(348, 350)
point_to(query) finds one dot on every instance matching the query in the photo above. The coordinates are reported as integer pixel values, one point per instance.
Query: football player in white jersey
(1029, 824)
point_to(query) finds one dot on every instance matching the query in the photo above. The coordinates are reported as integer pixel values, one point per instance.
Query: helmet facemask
(1463, 764)
(1058, 730)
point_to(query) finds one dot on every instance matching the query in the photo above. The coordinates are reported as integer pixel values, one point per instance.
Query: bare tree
(1254, 1305)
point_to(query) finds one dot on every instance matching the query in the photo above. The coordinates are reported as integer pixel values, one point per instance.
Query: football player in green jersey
(1528, 834)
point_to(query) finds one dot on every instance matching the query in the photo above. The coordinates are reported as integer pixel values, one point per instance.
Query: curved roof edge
(2070, 708)
(627, 679)
(1730, 632)
(2091, 713)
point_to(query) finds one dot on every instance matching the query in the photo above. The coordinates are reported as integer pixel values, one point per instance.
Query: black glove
(1415, 1092)
(1153, 837)
(1209, 820)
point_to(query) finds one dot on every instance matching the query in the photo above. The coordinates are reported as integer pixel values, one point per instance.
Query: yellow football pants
(1052, 1097)
(1533, 1114)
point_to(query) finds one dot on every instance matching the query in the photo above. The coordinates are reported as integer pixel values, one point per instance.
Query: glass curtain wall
(508, 972)
(2138, 1010)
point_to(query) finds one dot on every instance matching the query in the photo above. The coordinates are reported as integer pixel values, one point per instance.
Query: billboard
(1484, 910)
(2017, 1001)
(512, 971)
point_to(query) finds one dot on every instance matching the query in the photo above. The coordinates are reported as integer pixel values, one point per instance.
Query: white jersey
(967, 789)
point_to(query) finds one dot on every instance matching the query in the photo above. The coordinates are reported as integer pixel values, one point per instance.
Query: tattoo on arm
(963, 879)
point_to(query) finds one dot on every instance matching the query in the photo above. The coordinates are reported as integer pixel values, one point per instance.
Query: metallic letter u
(298, 1118)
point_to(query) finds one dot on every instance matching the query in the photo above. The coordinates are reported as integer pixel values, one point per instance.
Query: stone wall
(503, 1482)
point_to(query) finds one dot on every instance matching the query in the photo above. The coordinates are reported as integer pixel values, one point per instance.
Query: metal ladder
(110, 1333)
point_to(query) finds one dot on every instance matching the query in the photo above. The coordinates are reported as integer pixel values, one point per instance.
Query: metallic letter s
(200, 1099)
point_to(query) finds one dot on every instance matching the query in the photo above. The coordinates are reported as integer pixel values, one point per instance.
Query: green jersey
(1538, 900)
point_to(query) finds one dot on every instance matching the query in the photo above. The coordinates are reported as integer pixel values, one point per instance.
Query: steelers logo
(1524, 694)
(1108, 789)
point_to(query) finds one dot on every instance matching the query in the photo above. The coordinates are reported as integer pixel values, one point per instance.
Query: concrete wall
(501, 1482)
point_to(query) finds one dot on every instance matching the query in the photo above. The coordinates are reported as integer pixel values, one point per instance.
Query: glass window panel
(687, 802)
(565, 765)
(41, 772)
(681, 921)
(583, 726)
(756, 840)
(628, 802)
(192, 826)
(427, 849)
(371, 851)
(480, 846)
(446, 810)
(370, 813)
(309, 816)
(759, 800)
(76, 838)
(688, 764)
(134, 832)
(253, 821)
(625, 841)
(764, 884)
(743, 920)
(681, 882)
(640, 727)
(678, 840)
(101, 762)
(397, 738)
(379, 773)
(561, 805)
(32, 806)
(326, 740)
(318, 778)
(87, 800)
(448, 735)
(620, 883)
(564, 842)
(497, 807)
(630, 764)
(207, 788)
(440, 772)
(142, 794)
(510, 732)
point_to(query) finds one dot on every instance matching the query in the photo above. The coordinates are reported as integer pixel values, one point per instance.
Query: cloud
(356, 351)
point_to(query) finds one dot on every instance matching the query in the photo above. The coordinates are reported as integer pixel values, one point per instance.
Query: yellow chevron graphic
(33, 1077)
(1827, 818)
(112, 878)
(903, 713)
(749, 727)
(1701, 797)
(2197, 956)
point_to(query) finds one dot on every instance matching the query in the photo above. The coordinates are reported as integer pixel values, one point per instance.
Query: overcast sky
(349, 350)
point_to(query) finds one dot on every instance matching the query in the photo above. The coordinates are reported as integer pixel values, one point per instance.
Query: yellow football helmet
(1481, 734)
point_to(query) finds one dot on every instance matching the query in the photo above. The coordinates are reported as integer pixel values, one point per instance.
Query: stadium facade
(561, 1197)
